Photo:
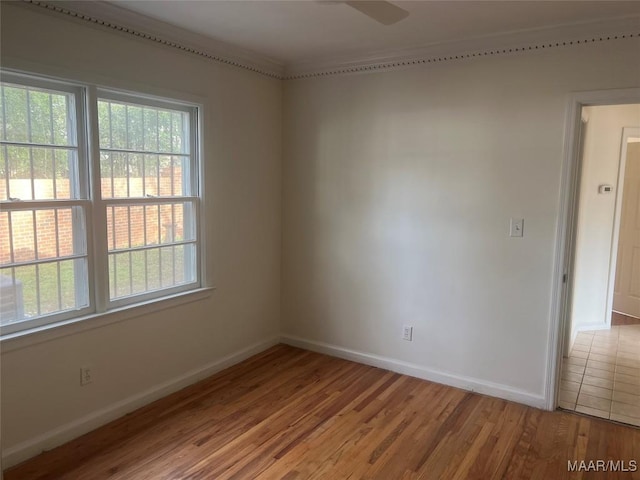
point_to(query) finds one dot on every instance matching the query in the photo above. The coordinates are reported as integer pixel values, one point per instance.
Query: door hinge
(564, 278)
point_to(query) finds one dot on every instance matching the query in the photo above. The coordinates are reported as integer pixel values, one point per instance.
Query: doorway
(600, 362)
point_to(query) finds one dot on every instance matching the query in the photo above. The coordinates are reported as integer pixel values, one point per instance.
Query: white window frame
(95, 207)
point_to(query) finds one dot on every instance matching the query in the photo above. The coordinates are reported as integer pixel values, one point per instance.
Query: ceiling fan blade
(384, 12)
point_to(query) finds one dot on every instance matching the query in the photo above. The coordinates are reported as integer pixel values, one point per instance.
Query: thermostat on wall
(605, 189)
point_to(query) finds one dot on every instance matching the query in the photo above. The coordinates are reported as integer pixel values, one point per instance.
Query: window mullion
(98, 221)
(192, 259)
(43, 204)
(80, 188)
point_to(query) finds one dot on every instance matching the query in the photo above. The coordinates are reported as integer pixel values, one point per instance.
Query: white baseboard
(418, 371)
(592, 328)
(64, 433)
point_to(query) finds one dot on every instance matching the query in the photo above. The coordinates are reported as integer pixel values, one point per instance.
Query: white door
(626, 294)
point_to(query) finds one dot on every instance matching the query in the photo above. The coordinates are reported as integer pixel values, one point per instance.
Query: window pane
(36, 115)
(128, 126)
(31, 235)
(43, 251)
(36, 173)
(141, 271)
(31, 291)
(145, 153)
(130, 226)
(136, 175)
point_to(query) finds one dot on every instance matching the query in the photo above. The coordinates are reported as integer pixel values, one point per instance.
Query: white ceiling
(291, 32)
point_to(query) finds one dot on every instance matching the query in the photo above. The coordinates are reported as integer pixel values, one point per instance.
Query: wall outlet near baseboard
(407, 333)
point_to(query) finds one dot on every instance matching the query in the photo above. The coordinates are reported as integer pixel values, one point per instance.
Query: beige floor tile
(567, 405)
(624, 397)
(629, 330)
(594, 402)
(581, 348)
(575, 361)
(629, 355)
(568, 367)
(607, 352)
(624, 419)
(626, 362)
(629, 336)
(569, 386)
(596, 372)
(605, 349)
(594, 391)
(626, 347)
(602, 358)
(628, 370)
(598, 382)
(622, 378)
(583, 339)
(601, 365)
(568, 397)
(627, 388)
(592, 411)
(572, 377)
(604, 336)
(625, 409)
(579, 353)
(627, 359)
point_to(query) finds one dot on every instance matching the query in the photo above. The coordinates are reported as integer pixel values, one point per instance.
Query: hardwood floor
(291, 414)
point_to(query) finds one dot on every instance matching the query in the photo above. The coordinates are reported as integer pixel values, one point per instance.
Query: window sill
(45, 333)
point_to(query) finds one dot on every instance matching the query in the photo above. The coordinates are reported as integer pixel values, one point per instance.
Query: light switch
(516, 228)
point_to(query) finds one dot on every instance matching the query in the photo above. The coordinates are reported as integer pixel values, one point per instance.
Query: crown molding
(510, 43)
(107, 15)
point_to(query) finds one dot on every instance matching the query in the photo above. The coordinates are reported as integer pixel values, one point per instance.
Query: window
(99, 200)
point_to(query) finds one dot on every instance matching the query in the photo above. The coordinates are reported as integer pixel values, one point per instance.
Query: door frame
(566, 227)
(627, 132)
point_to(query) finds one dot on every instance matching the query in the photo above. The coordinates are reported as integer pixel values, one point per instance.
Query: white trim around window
(131, 196)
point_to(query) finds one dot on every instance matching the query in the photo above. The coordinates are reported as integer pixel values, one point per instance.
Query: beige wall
(600, 166)
(398, 190)
(242, 144)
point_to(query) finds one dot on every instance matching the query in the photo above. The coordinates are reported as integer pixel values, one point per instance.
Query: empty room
(319, 239)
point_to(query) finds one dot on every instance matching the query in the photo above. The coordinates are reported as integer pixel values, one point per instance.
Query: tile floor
(601, 376)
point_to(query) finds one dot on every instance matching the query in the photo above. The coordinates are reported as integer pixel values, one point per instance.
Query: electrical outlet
(407, 333)
(86, 375)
